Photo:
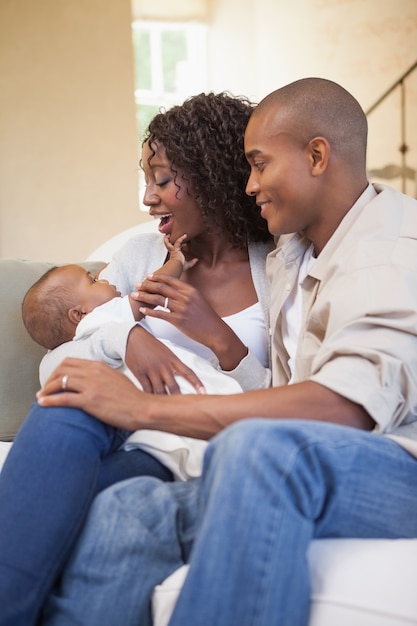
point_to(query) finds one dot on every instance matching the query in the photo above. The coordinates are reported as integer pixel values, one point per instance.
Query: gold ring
(64, 382)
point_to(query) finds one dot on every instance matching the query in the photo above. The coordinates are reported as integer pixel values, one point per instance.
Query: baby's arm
(177, 263)
(174, 266)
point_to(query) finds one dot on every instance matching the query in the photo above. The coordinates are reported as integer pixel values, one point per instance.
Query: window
(170, 65)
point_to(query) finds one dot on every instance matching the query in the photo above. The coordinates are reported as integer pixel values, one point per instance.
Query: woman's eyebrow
(252, 153)
(163, 166)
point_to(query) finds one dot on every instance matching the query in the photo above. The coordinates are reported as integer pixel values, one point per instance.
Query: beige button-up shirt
(358, 335)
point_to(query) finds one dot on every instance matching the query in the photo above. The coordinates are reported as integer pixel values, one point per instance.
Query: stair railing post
(403, 147)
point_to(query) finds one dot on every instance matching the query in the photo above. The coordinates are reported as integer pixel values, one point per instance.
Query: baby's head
(55, 304)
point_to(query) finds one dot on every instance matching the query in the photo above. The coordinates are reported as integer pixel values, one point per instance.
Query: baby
(69, 304)
(54, 306)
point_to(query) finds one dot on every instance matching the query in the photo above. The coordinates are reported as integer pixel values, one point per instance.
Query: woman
(196, 174)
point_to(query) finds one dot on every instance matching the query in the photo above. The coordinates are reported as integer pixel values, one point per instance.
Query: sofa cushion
(365, 582)
(360, 582)
(20, 355)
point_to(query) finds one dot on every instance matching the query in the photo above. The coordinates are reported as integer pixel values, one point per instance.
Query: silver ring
(64, 382)
(166, 303)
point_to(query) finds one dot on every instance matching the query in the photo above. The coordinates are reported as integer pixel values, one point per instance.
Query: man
(332, 450)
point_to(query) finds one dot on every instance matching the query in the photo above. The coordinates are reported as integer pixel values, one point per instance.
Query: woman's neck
(213, 250)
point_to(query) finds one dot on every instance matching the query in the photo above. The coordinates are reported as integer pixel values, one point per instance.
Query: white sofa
(354, 582)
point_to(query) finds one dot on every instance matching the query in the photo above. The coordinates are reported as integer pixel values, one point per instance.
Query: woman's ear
(75, 314)
(319, 152)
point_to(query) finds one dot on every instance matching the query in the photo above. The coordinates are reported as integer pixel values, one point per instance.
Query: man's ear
(76, 314)
(319, 152)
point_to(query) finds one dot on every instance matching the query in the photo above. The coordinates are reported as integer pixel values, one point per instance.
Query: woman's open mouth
(164, 223)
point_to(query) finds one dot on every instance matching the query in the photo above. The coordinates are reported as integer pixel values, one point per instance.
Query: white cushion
(165, 596)
(354, 582)
(4, 450)
(108, 248)
(365, 582)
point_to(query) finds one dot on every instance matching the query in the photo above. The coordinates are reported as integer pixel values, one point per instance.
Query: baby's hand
(176, 253)
(174, 249)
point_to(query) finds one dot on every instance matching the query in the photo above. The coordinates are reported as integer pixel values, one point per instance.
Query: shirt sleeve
(369, 352)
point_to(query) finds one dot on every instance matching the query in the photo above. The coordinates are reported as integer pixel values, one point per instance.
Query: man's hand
(99, 390)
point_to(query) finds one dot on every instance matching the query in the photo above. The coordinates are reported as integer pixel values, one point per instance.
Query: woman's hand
(191, 314)
(155, 365)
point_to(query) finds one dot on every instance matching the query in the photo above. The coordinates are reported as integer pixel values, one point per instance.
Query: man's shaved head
(313, 107)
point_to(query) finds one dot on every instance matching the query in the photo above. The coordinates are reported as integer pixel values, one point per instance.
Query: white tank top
(249, 326)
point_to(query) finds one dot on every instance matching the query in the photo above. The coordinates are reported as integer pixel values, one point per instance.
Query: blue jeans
(268, 488)
(57, 464)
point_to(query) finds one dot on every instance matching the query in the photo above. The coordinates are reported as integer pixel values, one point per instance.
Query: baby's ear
(75, 314)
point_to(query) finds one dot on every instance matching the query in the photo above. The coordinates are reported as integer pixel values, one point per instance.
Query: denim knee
(145, 509)
(65, 423)
(241, 439)
(236, 439)
(242, 444)
(47, 416)
(282, 446)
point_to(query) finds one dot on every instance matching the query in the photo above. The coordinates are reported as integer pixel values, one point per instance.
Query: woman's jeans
(268, 488)
(52, 473)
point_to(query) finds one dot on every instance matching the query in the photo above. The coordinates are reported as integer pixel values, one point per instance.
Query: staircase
(402, 171)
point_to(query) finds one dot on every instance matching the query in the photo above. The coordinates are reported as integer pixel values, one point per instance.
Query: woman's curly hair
(203, 138)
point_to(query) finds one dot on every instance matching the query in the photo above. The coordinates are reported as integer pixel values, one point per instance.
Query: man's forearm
(111, 397)
(204, 416)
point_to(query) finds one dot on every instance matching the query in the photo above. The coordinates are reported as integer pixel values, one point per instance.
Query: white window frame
(195, 66)
(192, 74)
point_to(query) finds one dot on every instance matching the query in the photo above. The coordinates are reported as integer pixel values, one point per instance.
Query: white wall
(366, 45)
(68, 158)
(69, 154)
(259, 45)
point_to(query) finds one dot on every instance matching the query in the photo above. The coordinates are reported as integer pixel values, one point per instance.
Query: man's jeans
(268, 488)
(58, 462)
